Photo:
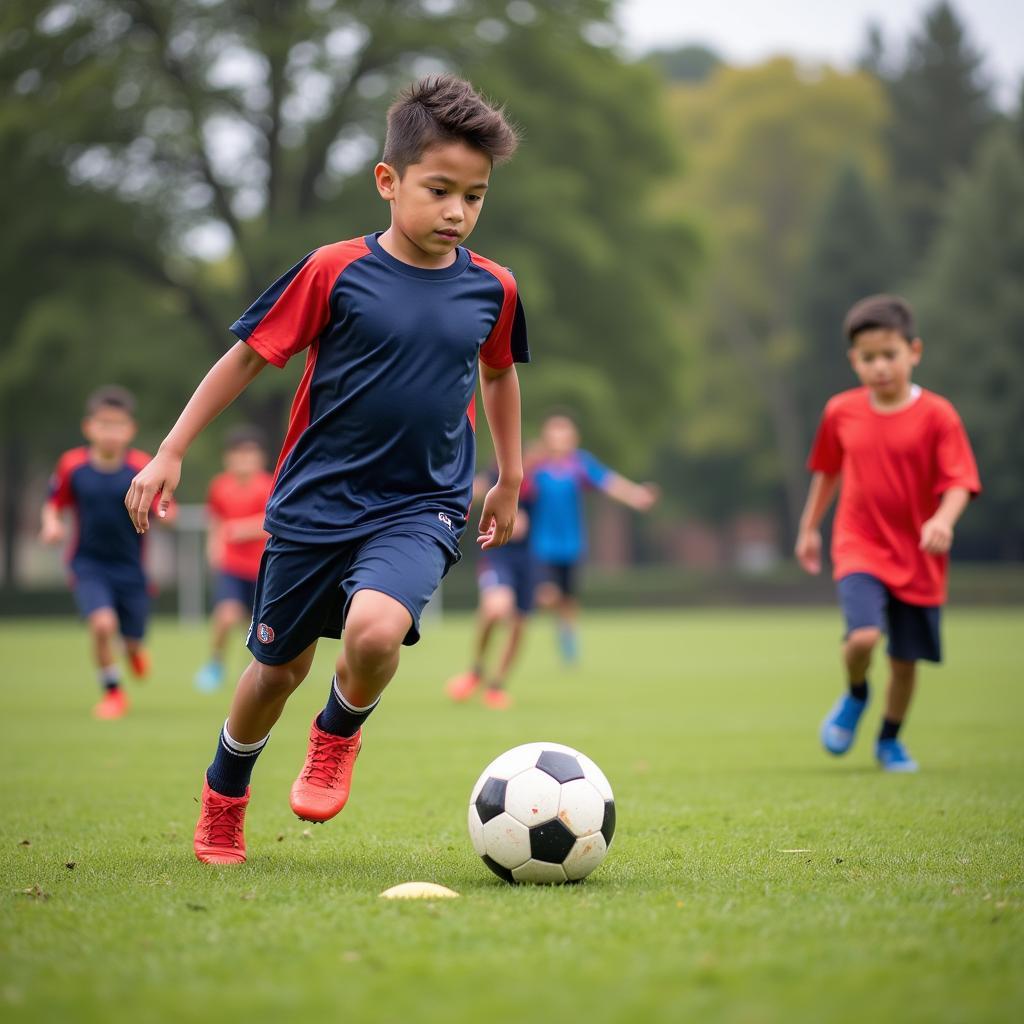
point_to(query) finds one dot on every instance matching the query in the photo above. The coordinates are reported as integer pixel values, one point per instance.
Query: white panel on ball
(539, 872)
(532, 797)
(476, 831)
(507, 841)
(596, 776)
(513, 761)
(585, 856)
(581, 807)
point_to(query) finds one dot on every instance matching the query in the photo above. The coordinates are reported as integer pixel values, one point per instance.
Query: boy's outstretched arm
(227, 379)
(51, 527)
(937, 532)
(500, 390)
(808, 542)
(639, 497)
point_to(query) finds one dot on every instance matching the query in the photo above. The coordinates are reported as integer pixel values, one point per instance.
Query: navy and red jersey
(382, 425)
(105, 536)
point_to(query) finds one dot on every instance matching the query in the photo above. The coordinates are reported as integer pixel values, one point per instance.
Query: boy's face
(884, 361)
(109, 431)
(560, 436)
(244, 460)
(435, 204)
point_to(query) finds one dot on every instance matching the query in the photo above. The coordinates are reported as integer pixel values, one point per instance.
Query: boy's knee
(276, 681)
(103, 623)
(367, 641)
(497, 605)
(863, 640)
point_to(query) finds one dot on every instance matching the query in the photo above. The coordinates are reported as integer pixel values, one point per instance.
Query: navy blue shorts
(564, 575)
(230, 587)
(510, 566)
(129, 598)
(913, 629)
(303, 591)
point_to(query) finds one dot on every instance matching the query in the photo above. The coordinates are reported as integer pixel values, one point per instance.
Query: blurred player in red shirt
(236, 505)
(907, 474)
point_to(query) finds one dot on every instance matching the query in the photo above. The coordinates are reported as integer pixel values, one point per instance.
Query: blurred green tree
(971, 312)
(691, 63)
(189, 152)
(851, 254)
(941, 108)
(762, 146)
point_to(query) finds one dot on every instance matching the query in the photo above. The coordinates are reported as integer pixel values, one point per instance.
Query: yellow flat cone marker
(418, 891)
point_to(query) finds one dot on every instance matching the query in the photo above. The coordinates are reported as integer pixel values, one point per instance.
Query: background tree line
(686, 234)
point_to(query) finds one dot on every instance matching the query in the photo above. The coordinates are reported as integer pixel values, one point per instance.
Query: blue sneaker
(568, 644)
(840, 725)
(210, 677)
(893, 757)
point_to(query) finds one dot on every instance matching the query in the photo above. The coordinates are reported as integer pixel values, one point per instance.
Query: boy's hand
(936, 536)
(498, 518)
(52, 532)
(159, 476)
(647, 496)
(808, 551)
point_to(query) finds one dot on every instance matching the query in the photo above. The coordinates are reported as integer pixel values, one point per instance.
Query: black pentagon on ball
(561, 767)
(608, 825)
(551, 842)
(491, 800)
(502, 872)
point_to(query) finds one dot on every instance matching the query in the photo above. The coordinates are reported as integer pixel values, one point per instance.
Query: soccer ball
(542, 813)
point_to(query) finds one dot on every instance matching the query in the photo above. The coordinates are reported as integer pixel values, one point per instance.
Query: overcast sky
(748, 30)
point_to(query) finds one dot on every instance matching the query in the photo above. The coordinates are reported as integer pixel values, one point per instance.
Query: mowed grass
(751, 878)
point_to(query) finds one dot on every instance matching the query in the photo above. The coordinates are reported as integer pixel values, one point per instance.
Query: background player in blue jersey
(558, 529)
(507, 579)
(375, 478)
(105, 556)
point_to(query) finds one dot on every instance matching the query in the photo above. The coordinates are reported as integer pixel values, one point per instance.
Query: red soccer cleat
(139, 661)
(220, 831)
(322, 788)
(461, 688)
(497, 699)
(113, 704)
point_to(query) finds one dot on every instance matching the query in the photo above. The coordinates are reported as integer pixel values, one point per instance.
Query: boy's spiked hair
(444, 108)
(888, 312)
(110, 397)
(240, 437)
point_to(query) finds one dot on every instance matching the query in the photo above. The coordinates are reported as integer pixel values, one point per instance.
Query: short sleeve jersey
(895, 468)
(230, 500)
(382, 425)
(558, 529)
(104, 537)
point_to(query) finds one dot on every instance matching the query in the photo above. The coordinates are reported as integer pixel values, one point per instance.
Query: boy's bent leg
(892, 755)
(103, 632)
(375, 626)
(497, 603)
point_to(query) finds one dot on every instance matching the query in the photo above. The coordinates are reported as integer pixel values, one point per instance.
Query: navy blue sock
(890, 729)
(859, 691)
(232, 765)
(340, 718)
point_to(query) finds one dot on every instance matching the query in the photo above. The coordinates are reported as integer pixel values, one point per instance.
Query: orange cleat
(496, 698)
(220, 831)
(461, 688)
(113, 704)
(322, 788)
(139, 661)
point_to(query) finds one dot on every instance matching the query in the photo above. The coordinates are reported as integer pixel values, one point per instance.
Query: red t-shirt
(895, 469)
(231, 499)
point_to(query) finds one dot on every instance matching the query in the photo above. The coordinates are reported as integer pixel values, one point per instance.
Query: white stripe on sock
(242, 748)
(351, 707)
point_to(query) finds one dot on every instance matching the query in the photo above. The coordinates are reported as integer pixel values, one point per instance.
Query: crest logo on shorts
(264, 633)
(444, 519)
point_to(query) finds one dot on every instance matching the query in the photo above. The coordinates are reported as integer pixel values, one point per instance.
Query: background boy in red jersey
(907, 475)
(105, 555)
(236, 504)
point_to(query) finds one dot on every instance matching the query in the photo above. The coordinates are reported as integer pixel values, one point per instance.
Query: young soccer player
(375, 478)
(507, 579)
(558, 531)
(907, 474)
(236, 504)
(105, 556)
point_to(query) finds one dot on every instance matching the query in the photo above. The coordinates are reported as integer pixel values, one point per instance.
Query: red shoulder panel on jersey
(496, 351)
(61, 494)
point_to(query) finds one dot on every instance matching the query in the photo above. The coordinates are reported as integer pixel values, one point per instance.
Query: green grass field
(905, 900)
